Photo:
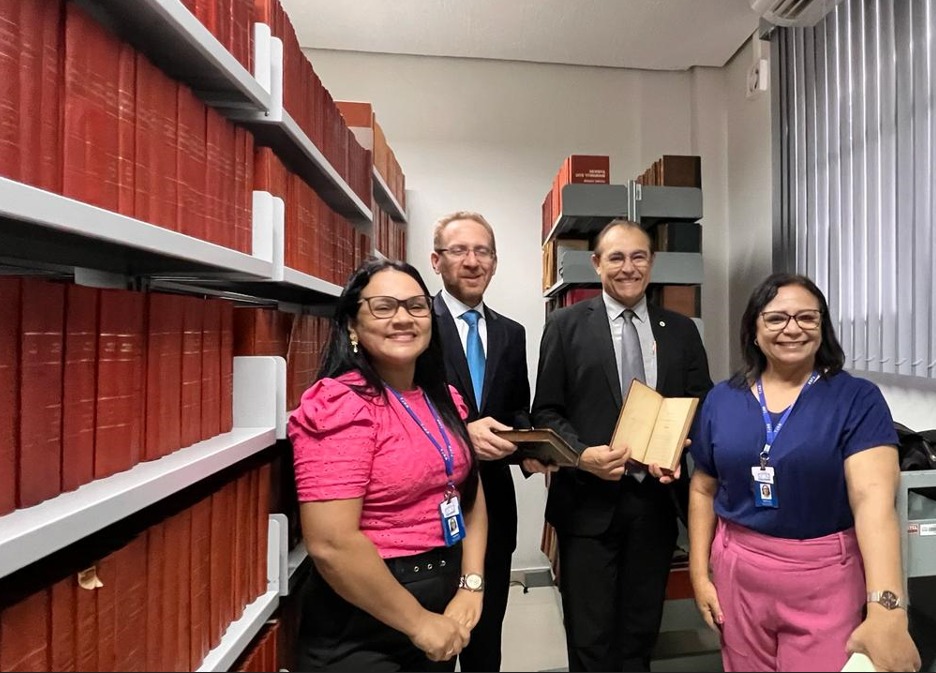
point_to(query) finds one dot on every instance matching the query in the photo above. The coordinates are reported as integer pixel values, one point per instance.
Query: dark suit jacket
(506, 399)
(578, 394)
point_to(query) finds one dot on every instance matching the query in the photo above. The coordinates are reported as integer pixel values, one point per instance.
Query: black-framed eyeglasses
(382, 307)
(481, 252)
(776, 321)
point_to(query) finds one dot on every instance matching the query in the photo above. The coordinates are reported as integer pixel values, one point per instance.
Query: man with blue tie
(485, 359)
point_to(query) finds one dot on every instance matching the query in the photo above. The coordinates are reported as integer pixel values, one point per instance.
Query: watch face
(889, 600)
(473, 582)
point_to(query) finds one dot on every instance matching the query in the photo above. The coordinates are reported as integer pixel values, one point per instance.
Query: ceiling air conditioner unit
(799, 13)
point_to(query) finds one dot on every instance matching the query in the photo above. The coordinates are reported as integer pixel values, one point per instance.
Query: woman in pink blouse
(392, 509)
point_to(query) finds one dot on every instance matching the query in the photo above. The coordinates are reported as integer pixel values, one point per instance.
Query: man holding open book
(615, 519)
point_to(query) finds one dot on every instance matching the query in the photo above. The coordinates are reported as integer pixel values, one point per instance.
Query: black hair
(830, 358)
(339, 358)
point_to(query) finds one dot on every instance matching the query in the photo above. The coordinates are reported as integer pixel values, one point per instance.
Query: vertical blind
(857, 125)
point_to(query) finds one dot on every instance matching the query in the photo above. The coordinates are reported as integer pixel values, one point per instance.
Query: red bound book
(156, 185)
(80, 387)
(130, 595)
(250, 542)
(42, 112)
(211, 370)
(24, 634)
(163, 375)
(247, 187)
(215, 126)
(63, 637)
(126, 130)
(12, 96)
(10, 290)
(91, 159)
(191, 164)
(193, 317)
(177, 573)
(293, 236)
(241, 242)
(157, 656)
(229, 194)
(118, 440)
(241, 521)
(199, 602)
(40, 411)
(261, 521)
(227, 366)
(220, 563)
(106, 595)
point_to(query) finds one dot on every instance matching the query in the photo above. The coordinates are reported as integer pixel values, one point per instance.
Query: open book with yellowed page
(654, 427)
(858, 662)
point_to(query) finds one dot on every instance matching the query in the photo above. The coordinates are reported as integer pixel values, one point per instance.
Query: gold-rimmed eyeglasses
(382, 307)
(775, 321)
(640, 259)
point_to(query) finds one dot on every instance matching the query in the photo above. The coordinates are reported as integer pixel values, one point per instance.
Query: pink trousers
(789, 605)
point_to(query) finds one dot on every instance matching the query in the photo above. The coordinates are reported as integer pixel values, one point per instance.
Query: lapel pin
(662, 324)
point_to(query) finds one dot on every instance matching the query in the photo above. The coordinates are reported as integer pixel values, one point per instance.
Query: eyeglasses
(640, 259)
(776, 321)
(386, 307)
(482, 253)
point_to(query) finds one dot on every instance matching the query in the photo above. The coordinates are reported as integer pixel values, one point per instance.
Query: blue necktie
(474, 351)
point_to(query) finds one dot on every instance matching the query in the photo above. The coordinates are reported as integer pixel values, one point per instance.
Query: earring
(756, 344)
(354, 342)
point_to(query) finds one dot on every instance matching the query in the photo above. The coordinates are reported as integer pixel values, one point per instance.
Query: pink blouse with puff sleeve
(346, 446)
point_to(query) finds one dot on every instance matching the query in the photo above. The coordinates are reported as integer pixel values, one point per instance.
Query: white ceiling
(649, 34)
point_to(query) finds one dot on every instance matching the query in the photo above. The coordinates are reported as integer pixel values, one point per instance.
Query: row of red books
(319, 241)
(93, 382)
(263, 652)
(576, 169)
(156, 594)
(298, 339)
(312, 107)
(232, 24)
(389, 234)
(105, 126)
(362, 120)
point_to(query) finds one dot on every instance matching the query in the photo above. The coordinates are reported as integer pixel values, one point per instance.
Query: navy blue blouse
(834, 419)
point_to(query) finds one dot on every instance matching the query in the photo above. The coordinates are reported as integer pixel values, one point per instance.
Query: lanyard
(448, 456)
(771, 431)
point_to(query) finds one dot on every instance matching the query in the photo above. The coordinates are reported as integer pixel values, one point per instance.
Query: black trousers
(614, 585)
(335, 635)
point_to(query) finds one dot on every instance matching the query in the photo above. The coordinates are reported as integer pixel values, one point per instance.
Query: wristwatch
(888, 599)
(471, 582)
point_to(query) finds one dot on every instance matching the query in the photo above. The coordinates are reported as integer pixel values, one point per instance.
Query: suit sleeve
(521, 401)
(698, 379)
(549, 404)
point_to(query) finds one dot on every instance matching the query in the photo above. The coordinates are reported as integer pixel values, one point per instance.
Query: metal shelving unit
(385, 198)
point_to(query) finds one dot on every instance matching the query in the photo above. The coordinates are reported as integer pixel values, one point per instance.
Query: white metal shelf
(27, 535)
(278, 130)
(41, 226)
(385, 197)
(177, 42)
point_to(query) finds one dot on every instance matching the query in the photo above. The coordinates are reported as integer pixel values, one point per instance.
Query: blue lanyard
(448, 455)
(771, 432)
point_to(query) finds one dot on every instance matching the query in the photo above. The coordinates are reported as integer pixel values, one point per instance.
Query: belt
(438, 561)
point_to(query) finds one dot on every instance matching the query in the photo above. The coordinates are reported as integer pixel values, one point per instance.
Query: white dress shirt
(458, 309)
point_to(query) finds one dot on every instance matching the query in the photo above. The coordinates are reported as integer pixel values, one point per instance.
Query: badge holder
(453, 523)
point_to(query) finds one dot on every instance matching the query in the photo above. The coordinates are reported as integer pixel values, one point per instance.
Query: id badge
(765, 487)
(453, 523)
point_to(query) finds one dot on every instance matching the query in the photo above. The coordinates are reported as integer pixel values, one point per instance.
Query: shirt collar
(615, 308)
(458, 308)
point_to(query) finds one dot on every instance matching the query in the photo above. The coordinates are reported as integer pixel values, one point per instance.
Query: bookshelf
(50, 235)
(385, 198)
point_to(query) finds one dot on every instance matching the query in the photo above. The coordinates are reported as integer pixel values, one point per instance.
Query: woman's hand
(883, 636)
(706, 598)
(465, 608)
(440, 636)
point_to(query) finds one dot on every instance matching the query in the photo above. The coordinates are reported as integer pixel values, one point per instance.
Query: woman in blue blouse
(808, 569)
